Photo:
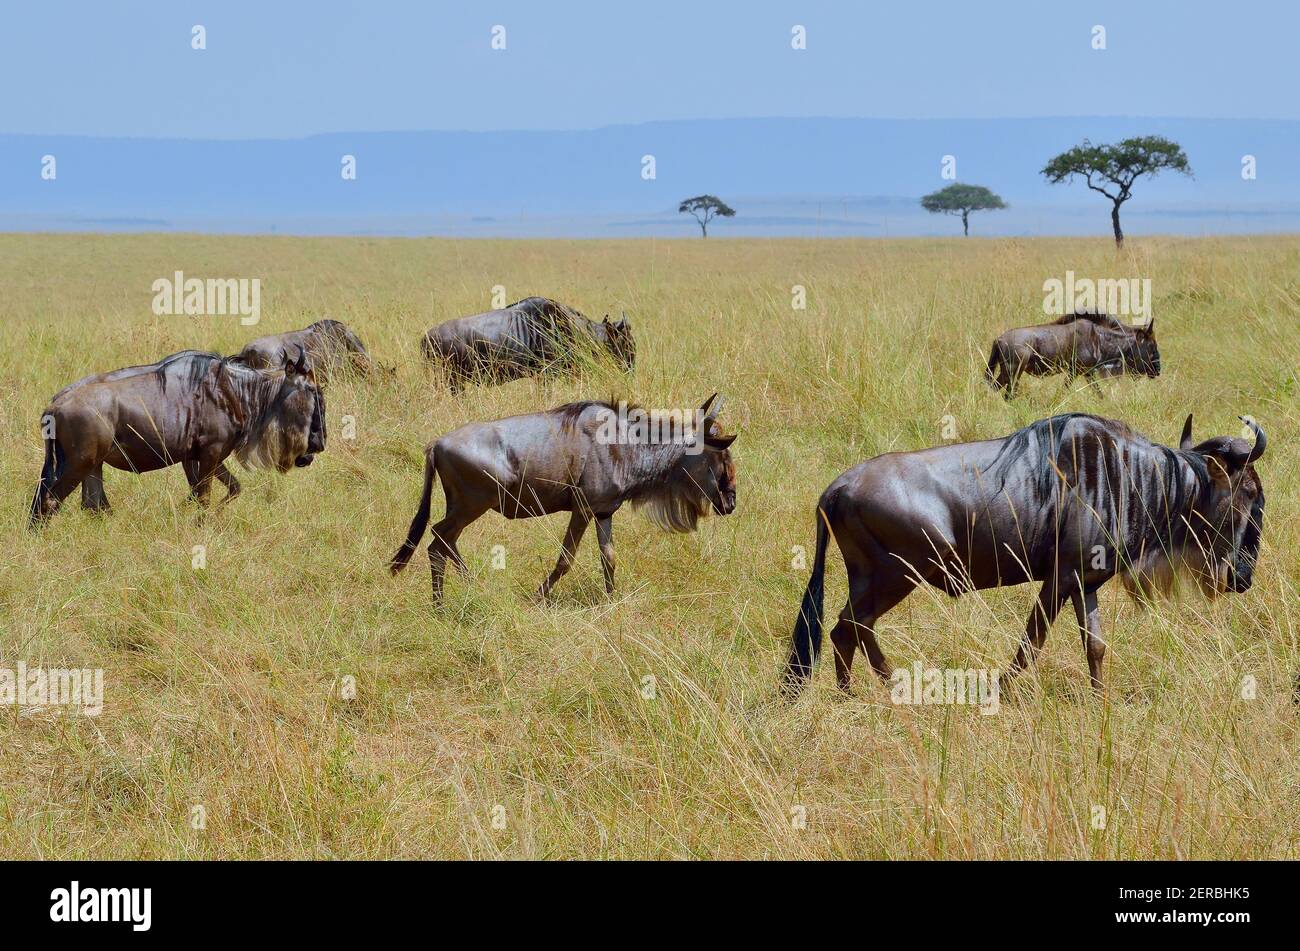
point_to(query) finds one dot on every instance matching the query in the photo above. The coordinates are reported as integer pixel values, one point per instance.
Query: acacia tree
(705, 208)
(962, 200)
(1118, 166)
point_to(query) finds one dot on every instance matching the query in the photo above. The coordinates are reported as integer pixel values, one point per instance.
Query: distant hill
(783, 176)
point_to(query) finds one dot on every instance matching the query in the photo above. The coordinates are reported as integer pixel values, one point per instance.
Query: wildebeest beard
(1139, 502)
(275, 439)
(675, 504)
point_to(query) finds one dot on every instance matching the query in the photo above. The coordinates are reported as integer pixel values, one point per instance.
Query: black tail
(419, 523)
(50, 472)
(991, 371)
(806, 644)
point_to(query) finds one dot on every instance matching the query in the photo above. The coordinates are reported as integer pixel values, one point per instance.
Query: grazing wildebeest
(563, 460)
(1079, 343)
(329, 345)
(1068, 501)
(529, 337)
(191, 408)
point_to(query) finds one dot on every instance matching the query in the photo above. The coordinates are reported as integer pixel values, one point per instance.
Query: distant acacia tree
(962, 200)
(705, 208)
(1118, 166)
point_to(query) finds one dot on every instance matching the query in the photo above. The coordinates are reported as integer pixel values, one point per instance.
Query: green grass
(223, 685)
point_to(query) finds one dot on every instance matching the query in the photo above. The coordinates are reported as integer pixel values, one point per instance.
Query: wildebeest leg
(1050, 598)
(227, 478)
(568, 551)
(1012, 368)
(605, 537)
(65, 478)
(199, 473)
(443, 545)
(1089, 618)
(92, 490)
(868, 600)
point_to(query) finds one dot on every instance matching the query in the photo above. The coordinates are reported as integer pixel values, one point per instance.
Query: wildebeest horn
(1185, 441)
(1261, 441)
(713, 406)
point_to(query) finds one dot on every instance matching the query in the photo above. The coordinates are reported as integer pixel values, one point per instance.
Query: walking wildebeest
(329, 345)
(1079, 343)
(1068, 501)
(191, 408)
(562, 460)
(529, 337)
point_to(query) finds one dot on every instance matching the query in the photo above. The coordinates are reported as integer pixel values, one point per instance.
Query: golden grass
(223, 685)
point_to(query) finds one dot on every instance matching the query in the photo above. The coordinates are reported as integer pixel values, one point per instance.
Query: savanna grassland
(223, 685)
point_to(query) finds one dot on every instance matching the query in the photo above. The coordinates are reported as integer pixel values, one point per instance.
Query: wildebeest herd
(1068, 502)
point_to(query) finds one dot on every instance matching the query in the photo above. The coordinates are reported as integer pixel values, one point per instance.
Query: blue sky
(271, 69)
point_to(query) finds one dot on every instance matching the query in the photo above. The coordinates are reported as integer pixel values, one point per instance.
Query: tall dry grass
(223, 685)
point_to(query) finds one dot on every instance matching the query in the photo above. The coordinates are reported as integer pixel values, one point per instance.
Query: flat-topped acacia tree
(705, 208)
(1117, 166)
(961, 200)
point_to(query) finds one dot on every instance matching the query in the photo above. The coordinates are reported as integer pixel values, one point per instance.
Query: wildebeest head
(345, 341)
(619, 341)
(1231, 519)
(1143, 355)
(291, 427)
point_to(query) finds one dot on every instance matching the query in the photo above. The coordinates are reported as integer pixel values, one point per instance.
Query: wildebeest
(329, 345)
(191, 408)
(1068, 501)
(528, 337)
(563, 460)
(1076, 344)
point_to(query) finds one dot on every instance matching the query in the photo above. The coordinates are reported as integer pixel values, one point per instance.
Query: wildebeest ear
(720, 443)
(1185, 440)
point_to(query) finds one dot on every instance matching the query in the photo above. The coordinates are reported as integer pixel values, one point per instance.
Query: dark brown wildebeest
(329, 345)
(1076, 344)
(191, 408)
(566, 460)
(1069, 502)
(529, 337)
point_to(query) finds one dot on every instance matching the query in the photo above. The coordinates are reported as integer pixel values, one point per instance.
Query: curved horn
(1185, 441)
(704, 410)
(1261, 441)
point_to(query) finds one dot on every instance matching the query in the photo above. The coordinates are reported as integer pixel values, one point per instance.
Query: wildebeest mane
(658, 486)
(1094, 317)
(1140, 495)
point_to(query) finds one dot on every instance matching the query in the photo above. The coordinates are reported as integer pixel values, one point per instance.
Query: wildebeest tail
(806, 644)
(419, 523)
(51, 469)
(995, 360)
